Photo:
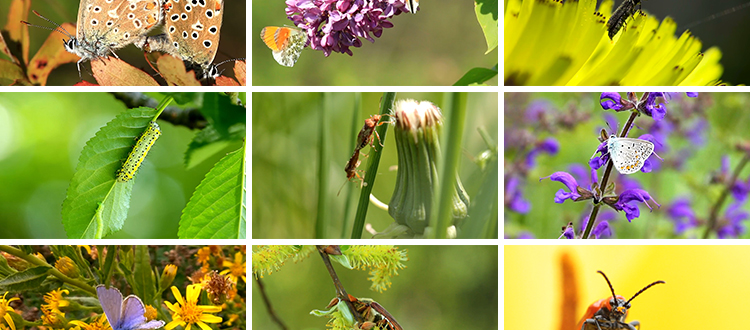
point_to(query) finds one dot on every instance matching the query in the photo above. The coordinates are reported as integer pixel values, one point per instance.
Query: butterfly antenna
(145, 55)
(229, 60)
(57, 28)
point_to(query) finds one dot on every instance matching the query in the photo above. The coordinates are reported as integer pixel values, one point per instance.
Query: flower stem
(322, 218)
(605, 178)
(340, 291)
(719, 202)
(52, 270)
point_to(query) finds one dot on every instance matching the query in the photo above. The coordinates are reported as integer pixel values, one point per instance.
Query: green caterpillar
(139, 152)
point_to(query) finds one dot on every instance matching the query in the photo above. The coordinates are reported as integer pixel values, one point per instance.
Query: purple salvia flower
(611, 101)
(696, 133)
(569, 233)
(537, 111)
(525, 235)
(570, 182)
(740, 190)
(633, 195)
(337, 25)
(602, 229)
(652, 109)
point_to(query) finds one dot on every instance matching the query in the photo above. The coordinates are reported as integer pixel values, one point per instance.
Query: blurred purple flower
(740, 190)
(633, 195)
(537, 111)
(336, 25)
(525, 235)
(549, 145)
(570, 182)
(682, 215)
(513, 196)
(696, 133)
(733, 226)
(603, 228)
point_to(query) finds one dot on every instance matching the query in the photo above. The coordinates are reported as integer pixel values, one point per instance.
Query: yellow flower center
(238, 269)
(190, 313)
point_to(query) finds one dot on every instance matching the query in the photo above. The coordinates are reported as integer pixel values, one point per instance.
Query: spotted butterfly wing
(106, 25)
(139, 152)
(192, 29)
(286, 43)
(629, 155)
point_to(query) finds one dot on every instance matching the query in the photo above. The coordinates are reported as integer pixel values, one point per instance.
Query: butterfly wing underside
(628, 155)
(133, 315)
(111, 301)
(286, 43)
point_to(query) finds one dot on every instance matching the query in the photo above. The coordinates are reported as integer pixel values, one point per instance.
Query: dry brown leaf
(84, 83)
(226, 81)
(17, 31)
(4, 48)
(115, 72)
(173, 71)
(51, 55)
(240, 72)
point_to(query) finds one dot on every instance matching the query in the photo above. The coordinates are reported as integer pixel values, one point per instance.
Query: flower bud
(66, 266)
(167, 276)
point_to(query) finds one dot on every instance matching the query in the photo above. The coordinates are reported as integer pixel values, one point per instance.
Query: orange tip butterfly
(285, 42)
(412, 6)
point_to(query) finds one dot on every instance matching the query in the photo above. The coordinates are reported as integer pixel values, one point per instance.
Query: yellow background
(707, 287)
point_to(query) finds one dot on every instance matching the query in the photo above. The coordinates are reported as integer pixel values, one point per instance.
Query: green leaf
(144, 285)
(342, 259)
(217, 207)
(477, 76)
(184, 98)
(487, 13)
(96, 205)
(208, 142)
(5, 269)
(107, 267)
(27, 280)
(222, 114)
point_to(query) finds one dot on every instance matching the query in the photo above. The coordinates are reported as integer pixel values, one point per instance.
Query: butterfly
(125, 314)
(104, 26)
(285, 42)
(192, 29)
(627, 154)
(412, 6)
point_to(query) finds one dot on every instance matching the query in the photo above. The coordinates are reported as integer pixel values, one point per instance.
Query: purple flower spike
(633, 195)
(735, 215)
(602, 229)
(569, 233)
(570, 182)
(651, 109)
(336, 25)
(549, 145)
(514, 196)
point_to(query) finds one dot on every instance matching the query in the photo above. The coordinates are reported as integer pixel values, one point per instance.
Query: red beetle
(610, 313)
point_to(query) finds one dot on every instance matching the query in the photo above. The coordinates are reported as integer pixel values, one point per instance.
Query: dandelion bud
(66, 266)
(167, 276)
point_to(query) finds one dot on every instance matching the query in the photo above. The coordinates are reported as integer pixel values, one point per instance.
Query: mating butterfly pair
(191, 29)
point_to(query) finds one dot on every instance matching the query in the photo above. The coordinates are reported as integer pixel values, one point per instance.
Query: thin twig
(189, 117)
(274, 317)
(712, 219)
(340, 291)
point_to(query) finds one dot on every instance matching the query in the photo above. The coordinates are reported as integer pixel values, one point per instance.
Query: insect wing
(629, 155)
(111, 301)
(378, 308)
(286, 43)
(133, 316)
(412, 6)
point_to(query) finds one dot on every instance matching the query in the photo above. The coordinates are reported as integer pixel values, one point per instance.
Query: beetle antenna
(644, 289)
(610, 285)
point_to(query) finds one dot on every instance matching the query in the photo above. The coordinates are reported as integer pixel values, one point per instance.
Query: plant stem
(445, 188)
(323, 161)
(386, 104)
(52, 270)
(274, 317)
(340, 291)
(605, 179)
(712, 218)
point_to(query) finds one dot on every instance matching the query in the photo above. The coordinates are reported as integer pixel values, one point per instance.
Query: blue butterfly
(124, 314)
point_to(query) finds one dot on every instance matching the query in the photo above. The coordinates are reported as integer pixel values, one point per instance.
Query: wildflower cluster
(63, 293)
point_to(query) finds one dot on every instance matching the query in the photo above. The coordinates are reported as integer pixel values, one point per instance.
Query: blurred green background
(232, 44)
(41, 138)
(435, 46)
(442, 287)
(727, 124)
(286, 157)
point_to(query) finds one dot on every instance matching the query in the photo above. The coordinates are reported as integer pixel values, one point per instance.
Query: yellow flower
(203, 254)
(66, 266)
(236, 268)
(54, 300)
(187, 311)
(100, 324)
(4, 309)
(232, 318)
(167, 276)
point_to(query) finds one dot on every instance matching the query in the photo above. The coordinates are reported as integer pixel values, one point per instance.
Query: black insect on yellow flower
(621, 14)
